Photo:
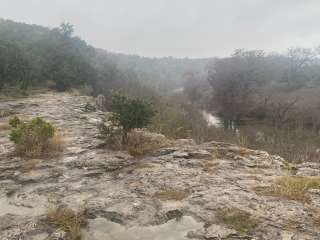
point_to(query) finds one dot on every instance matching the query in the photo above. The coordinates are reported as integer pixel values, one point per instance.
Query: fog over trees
(278, 89)
(161, 120)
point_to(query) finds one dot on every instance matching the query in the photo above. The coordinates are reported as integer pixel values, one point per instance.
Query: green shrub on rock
(31, 137)
(14, 122)
(129, 114)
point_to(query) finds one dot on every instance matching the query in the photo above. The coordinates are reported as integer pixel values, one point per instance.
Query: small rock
(185, 142)
(180, 154)
(200, 154)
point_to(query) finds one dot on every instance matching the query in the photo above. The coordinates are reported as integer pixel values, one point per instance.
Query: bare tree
(281, 112)
(234, 81)
(298, 59)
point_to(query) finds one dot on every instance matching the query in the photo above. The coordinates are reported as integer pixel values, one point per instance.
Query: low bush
(118, 129)
(141, 142)
(33, 138)
(130, 113)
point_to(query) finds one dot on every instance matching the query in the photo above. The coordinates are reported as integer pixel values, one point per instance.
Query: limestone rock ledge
(206, 182)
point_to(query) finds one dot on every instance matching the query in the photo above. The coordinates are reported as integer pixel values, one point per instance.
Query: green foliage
(173, 122)
(31, 137)
(182, 121)
(14, 122)
(130, 113)
(14, 67)
(32, 56)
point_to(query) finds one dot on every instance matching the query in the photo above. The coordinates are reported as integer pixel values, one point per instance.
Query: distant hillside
(33, 55)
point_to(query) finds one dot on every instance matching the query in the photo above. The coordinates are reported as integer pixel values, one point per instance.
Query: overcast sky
(179, 28)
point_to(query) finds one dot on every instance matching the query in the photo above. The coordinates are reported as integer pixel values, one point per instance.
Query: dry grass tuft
(67, 220)
(4, 127)
(244, 152)
(56, 144)
(237, 219)
(141, 165)
(171, 195)
(53, 148)
(208, 166)
(293, 188)
(141, 142)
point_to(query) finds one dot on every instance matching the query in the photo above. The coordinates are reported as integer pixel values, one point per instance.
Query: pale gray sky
(180, 28)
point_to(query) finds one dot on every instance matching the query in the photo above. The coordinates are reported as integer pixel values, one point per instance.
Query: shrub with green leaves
(31, 137)
(130, 113)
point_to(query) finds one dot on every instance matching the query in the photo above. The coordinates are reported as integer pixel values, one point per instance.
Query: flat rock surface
(185, 180)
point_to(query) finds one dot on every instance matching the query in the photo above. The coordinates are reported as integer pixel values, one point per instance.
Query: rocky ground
(205, 183)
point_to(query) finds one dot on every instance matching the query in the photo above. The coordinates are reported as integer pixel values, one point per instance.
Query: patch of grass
(256, 171)
(292, 188)
(138, 142)
(171, 195)
(67, 220)
(237, 219)
(141, 165)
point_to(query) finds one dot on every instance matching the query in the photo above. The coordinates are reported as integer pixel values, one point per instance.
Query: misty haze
(162, 120)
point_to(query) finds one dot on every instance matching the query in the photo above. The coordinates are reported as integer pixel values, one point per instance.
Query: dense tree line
(32, 55)
(14, 67)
